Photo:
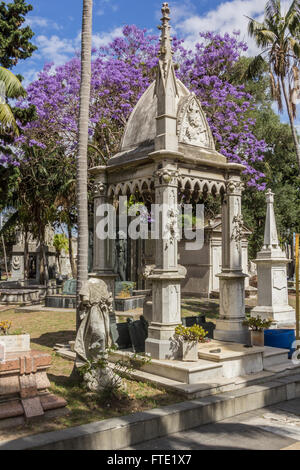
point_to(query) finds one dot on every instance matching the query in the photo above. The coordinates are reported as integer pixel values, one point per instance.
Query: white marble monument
(272, 275)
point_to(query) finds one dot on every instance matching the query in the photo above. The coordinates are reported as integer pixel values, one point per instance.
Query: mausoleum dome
(167, 116)
(141, 126)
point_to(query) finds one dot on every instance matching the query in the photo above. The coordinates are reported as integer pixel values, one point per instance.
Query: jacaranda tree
(121, 72)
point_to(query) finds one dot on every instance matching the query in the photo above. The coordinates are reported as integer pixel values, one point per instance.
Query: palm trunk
(294, 132)
(71, 254)
(82, 165)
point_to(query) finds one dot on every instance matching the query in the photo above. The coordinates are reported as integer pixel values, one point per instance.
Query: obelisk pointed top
(271, 236)
(165, 52)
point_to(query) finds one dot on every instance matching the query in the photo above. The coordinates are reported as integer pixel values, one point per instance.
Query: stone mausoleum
(167, 151)
(168, 154)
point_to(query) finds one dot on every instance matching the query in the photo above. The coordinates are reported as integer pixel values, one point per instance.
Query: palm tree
(10, 87)
(82, 165)
(278, 36)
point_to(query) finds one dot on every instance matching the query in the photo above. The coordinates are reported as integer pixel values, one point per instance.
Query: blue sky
(57, 24)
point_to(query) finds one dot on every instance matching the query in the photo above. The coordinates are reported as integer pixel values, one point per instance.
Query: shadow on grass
(207, 307)
(51, 339)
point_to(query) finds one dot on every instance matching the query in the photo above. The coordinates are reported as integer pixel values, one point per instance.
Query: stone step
(274, 356)
(184, 372)
(202, 388)
(288, 365)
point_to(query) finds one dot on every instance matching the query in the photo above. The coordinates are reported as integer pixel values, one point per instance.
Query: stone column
(272, 302)
(232, 279)
(166, 312)
(103, 250)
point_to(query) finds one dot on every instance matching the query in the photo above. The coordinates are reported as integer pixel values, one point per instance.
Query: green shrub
(191, 334)
(257, 324)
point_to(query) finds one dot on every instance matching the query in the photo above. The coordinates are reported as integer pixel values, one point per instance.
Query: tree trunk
(71, 254)
(294, 132)
(43, 258)
(82, 164)
(26, 256)
(5, 258)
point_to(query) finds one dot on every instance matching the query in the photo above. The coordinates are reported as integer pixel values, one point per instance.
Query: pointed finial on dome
(166, 52)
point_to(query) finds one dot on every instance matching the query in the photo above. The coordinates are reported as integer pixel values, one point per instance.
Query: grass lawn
(47, 329)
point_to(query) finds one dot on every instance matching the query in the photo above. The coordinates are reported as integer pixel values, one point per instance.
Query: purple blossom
(122, 71)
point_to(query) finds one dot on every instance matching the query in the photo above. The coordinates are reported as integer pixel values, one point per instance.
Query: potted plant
(14, 341)
(257, 326)
(189, 339)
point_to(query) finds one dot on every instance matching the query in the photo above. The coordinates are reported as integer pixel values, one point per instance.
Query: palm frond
(13, 86)
(262, 34)
(272, 9)
(255, 67)
(292, 17)
(7, 120)
(254, 26)
(294, 46)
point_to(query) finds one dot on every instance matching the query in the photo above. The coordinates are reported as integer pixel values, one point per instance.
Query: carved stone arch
(220, 187)
(214, 190)
(205, 189)
(188, 190)
(197, 191)
(192, 125)
(119, 190)
(210, 185)
(111, 190)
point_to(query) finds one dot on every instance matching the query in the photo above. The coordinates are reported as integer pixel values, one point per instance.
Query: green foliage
(120, 369)
(14, 39)
(279, 165)
(257, 324)
(61, 242)
(13, 89)
(191, 334)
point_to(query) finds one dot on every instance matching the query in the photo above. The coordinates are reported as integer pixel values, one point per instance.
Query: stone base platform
(281, 315)
(217, 359)
(24, 387)
(222, 366)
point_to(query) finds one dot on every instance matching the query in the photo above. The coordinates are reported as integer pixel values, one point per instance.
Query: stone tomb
(218, 362)
(65, 300)
(24, 383)
(168, 156)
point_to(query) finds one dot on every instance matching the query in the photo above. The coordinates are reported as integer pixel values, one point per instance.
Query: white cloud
(29, 76)
(103, 4)
(103, 39)
(40, 22)
(55, 49)
(229, 16)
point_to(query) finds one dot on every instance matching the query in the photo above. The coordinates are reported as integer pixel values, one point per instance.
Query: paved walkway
(273, 428)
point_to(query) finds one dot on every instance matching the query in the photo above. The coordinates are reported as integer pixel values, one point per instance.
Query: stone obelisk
(272, 275)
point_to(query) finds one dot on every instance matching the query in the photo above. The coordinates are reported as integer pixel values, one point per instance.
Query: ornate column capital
(100, 189)
(234, 187)
(167, 176)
